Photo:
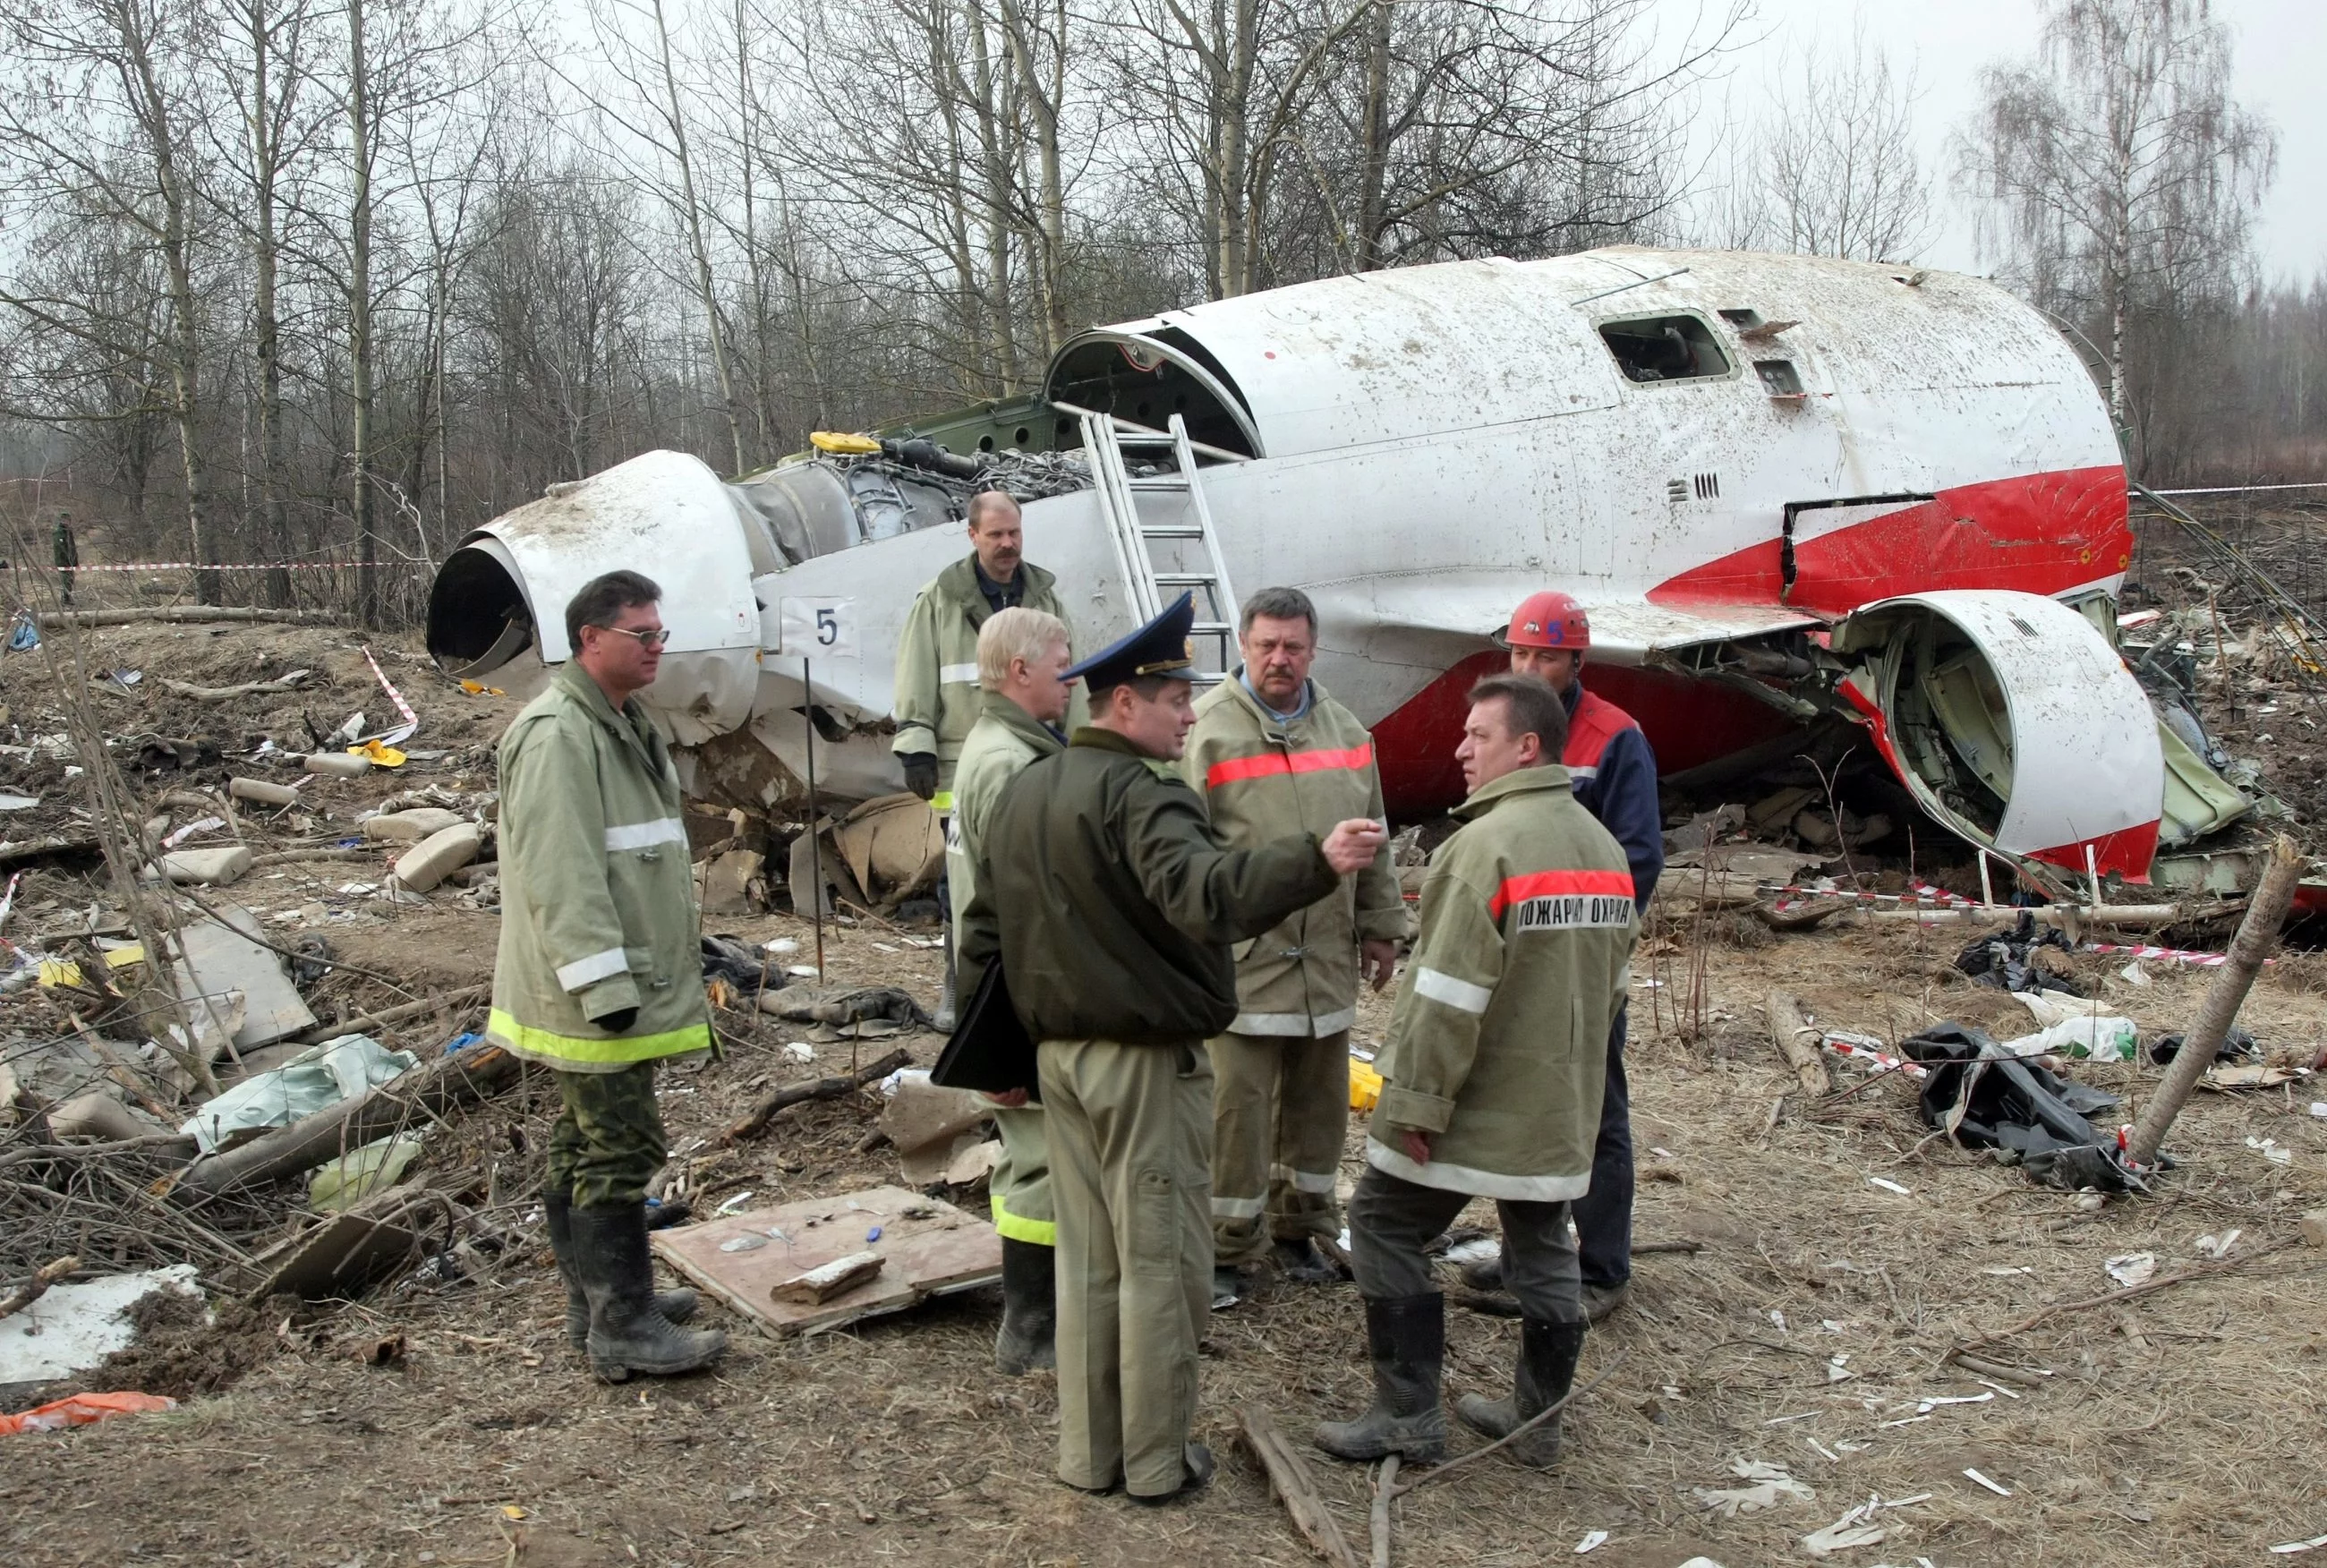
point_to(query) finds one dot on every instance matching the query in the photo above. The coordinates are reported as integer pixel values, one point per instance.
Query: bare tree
(2115, 166)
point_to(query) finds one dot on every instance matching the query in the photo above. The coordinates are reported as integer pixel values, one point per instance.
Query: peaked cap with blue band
(1160, 647)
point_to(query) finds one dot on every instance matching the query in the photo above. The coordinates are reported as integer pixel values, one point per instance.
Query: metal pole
(814, 838)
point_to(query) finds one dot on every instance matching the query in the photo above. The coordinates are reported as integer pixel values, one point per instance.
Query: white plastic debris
(1975, 1476)
(779, 946)
(1769, 1485)
(800, 1050)
(2288, 1548)
(1837, 1369)
(1778, 1318)
(735, 1203)
(1890, 1186)
(1925, 1407)
(1591, 1538)
(1478, 1249)
(2086, 1037)
(2132, 1268)
(2218, 1246)
(2272, 1150)
(1855, 1528)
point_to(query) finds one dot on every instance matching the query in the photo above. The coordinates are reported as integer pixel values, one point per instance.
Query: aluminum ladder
(1192, 546)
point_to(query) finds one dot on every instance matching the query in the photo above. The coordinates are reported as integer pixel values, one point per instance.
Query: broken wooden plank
(427, 1090)
(1798, 1042)
(825, 1281)
(33, 1289)
(824, 1088)
(1290, 1479)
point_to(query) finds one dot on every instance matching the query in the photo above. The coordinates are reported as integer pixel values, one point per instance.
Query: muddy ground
(446, 1422)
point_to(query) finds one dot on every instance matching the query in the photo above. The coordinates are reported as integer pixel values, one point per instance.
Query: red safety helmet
(1548, 620)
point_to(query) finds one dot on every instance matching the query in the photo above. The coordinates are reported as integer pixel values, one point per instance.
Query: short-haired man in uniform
(1112, 904)
(600, 970)
(1022, 663)
(1491, 1079)
(937, 698)
(1273, 753)
(1615, 774)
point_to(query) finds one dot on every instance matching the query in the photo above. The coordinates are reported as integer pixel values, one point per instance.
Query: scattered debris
(1769, 1486)
(81, 1410)
(820, 1285)
(342, 1069)
(69, 1328)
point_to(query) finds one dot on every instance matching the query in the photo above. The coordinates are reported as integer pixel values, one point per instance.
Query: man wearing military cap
(1112, 905)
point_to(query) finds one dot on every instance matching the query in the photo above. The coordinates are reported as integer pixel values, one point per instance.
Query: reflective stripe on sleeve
(595, 967)
(645, 836)
(957, 674)
(1237, 1208)
(1272, 1025)
(1318, 1182)
(1269, 764)
(1479, 1184)
(1440, 986)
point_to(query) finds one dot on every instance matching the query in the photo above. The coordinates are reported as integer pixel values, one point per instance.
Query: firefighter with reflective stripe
(1491, 1079)
(937, 695)
(1274, 754)
(1615, 775)
(600, 970)
(1023, 657)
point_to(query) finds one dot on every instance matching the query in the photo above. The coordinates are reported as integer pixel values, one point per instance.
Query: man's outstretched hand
(1352, 846)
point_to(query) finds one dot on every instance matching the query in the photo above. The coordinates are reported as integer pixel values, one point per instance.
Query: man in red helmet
(1615, 778)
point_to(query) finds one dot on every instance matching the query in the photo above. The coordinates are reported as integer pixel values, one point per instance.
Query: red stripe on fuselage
(2040, 533)
(1270, 764)
(1540, 884)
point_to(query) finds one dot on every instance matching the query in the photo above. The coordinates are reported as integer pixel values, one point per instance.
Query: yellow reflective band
(544, 1046)
(1018, 1228)
(942, 802)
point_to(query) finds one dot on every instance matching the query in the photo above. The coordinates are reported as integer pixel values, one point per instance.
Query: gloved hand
(618, 1020)
(921, 773)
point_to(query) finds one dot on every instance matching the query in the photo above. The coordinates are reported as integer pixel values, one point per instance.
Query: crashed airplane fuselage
(1787, 489)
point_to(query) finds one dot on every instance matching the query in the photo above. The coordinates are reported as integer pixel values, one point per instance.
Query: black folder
(990, 1050)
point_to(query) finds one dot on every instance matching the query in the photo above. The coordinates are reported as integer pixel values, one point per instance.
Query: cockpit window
(1665, 348)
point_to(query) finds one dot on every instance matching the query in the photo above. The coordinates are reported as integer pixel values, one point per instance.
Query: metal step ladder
(1189, 558)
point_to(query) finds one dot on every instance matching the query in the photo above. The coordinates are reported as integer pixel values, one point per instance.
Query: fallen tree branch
(33, 1289)
(1289, 1479)
(427, 1090)
(2059, 1309)
(825, 1088)
(281, 683)
(152, 1143)
(1521, 1430)
(1378, 1516)
(464, 997)
(1787, 1029)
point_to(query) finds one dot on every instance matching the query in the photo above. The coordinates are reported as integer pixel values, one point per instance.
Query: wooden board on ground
(927, 1247)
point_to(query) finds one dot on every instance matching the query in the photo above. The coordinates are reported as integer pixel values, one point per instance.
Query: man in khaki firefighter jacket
(1492, 1077)
(1274, 754)
(1112, 906)
(936, 696)
(600, 970)
(1022, 663)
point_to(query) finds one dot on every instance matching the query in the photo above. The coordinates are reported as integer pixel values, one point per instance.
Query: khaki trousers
(1130, 1127)
(1280, 1114)
(1020, 1188)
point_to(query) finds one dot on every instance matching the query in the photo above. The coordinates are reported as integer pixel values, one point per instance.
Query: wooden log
(282, 683)
(819, 1286)
(824, 1088)
(429, 1089)
(1289, 1479)
(1798, 1042)
(33, 1289)
(2257, 934)
(467, 996)
(184, 614)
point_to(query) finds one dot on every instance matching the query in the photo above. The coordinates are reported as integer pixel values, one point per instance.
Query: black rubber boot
(627, 1334)
(1030, 1308)
(1300, 1261)
(1407, 1337)
(1547, 1370)
(556, 1211)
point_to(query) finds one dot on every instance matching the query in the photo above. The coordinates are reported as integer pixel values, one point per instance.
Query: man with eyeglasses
(600, 970)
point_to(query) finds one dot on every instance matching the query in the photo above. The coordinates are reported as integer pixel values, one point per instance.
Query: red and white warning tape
(1917, 893)
(395, 737)
(2165, 955)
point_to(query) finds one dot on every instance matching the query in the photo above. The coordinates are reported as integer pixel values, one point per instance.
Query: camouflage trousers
(608, 1142)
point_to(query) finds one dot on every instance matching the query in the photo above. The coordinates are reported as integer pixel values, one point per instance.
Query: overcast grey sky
(2280, 48)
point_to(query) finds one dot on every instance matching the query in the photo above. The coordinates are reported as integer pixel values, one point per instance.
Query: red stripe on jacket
(1537, 884)
(1268, 764)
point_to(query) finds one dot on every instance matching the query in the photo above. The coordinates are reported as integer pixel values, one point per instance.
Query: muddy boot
(627, 1334)
(1407, 1337)
(1030, 1311)
(1300, 1261)
(556, 1210)
(1547, 1370)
